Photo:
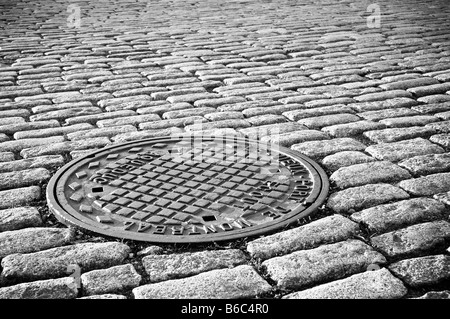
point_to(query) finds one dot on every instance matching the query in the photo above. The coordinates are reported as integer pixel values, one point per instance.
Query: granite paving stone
(409, 121)
(239, 282)
(357, 198)
(327, 147)
(103, 281)
(352, 129)
(324, 231)
(19, 196)
(379, 284)
(18, 218)
(49, 132)
(397, 134)
(368, 173)
(389, 217)
(441, 139)
(413, 240)
(53, 262)
(172, 266)
(61, 147)
(61, 288)
(23, 178)
(427, 185)
(404, 149)
(427, 164)
(307, 267)
(6, 157)
(421, 271)
(291, 138)
(345, 158)
(32, 239)
(17, 146)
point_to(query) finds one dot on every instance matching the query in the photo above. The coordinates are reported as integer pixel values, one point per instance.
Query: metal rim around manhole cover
(187, 189)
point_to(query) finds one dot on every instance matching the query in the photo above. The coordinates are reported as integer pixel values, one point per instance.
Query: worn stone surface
(357, 198)
(23, 178)
(108, 280)
(397, 134)
(290, 138)
(379, 284)
(346, 158)
(422, 271)
(62, 288)
(427, 164)
(323, 231)
(308, 267)
(441, 139)
(405, 149)
(19, 196)
(172, 266)
(427, 185)
(239, 282)
(368, 173)
(388, 217)
(352, 129)
(328, 147)
(413, 240)
(18, 218)
(53, 262)
(32, 239)
(49, 162)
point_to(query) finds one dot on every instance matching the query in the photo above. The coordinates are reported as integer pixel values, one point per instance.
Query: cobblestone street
(361, 88)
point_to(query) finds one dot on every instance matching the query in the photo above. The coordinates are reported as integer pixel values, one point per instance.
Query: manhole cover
(187, 189)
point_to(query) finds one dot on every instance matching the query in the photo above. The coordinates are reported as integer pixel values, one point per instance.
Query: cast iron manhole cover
(187, 189)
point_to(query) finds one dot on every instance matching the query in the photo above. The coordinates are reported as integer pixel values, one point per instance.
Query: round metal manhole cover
(187, 189)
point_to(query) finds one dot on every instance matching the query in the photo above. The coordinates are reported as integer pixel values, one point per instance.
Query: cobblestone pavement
(371, 102)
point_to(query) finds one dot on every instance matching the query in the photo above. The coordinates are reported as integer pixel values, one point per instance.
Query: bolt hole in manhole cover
(187, 189)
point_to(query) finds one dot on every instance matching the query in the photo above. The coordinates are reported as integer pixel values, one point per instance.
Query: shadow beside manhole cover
(187, 189)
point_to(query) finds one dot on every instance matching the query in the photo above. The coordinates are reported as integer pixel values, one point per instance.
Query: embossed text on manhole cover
(185, 189)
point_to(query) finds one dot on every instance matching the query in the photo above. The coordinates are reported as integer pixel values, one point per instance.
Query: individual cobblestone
(441, 139)
(368, 173)
(19, 196)
(397, 134)
(421, 271)
(172, 266)
(18, 218)
(53, 262)
(240, 282)
(62, 288)
(328, 120)
(401, 102)
(32, 239)
(436, 295)
(324, 231)
(352, 129)
(290, 138)
(49, 132)
(427, 185)
(17, 146)
(389, 217)
(62, 147)
(427, 164)
(328, 147)
(6, 157)
(109, 280)
(414, 240)
(10, 129)
(379, 284)
(100, 132)
(405, 149)
(271, 129)
(306, 267)
(345, 158)
(409, 121)
(23, 178)
(357, 198)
